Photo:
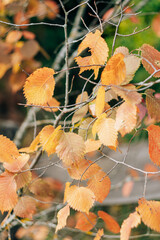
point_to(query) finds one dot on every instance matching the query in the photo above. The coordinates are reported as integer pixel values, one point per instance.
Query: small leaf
(80, 198)
(100, 101)
(153, 105)
(127, 188)
(99, 234)
(99, 52)
(78, 115)
(155, 24)
(25, 207)
(39, 86)
(115, 71)
(110, 223)
(86, 222)
(52, 103)
(62, 217)
(71, 148)
(149, 212)
(100, 185)
(154, 146)
(153, 57)
(132, 221)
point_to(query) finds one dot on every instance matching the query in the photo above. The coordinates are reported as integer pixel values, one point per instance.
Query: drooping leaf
(154, 146)
(62, 217)
(100, 185)
(18, 164)
(115, 71)
(8, 195)
(149, 212)
(85, 167)
(39, 86)
(153, 105)
(126, 118)
(110, 223)
(71, 148)
(80, 198)
(152, 56)
(85, 221)
(132, 221)
(92, 145)
(8, 150)
(99, 234)
(25, 208)
(78, 115)
(128, 93)
(49, 138)
(105, 128)
(99, 52)
(100, 101)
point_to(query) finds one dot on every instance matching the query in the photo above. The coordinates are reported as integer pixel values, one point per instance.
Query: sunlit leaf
(23, 178)
(123, 50)
(110, 223)
(132, 64)
(132, 221)
(92, 145)
(99, 52)
(85, 222)
(62, 217)
(18, 164)
(100, 101)
(52, 103)
(25, 207)
(39, 86)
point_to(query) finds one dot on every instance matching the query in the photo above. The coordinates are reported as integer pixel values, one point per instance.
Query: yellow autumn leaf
(100, 101)
(62, 217)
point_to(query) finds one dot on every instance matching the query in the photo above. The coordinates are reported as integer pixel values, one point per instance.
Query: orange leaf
(99, 52)
(128, 93)
(153, 105)
(151, 168)
(99, 234)
(25, 207)
(83, 167)
(49, 138)
(110, 223)
(23, 178)
(8, 150)
(149, 212)
(92, 145)
(62, 217)
(100, 101)
(132, 221)
(127, 188)
(80, 198)
(107, 133)
(154, 146)
(78, 115)
(153, 56)
(100, 185)
(18, 164)
(41, 188)
(39, 86)
(13, 36)
(155, 25)
(52, 103)
(8, 195)
(126, 118)
(28, 35)
(115, 71)
(85, 221)
(71, 148)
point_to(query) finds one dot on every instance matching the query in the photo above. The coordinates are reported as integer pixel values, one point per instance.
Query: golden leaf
(99, 52)
(39, 86)
(100, 101)
(62, 217)
(18, 164)
(99, 234)
(92, 145)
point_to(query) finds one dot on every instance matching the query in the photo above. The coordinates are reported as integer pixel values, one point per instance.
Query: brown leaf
(127, 188)
(99, 52)
(13, 36)
(29, 49)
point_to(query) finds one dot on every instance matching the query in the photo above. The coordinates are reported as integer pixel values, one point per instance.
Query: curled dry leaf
(105, 128)
(25, 207)
(18, 164)
(8, 195)
(62, 217)
(80, 198)
(149, 212)
(99, 52)
(151, 58)
(110, 223)
(126, 118)
(78, 115)
(132, 221)
(100, 101)
(100, 185)
(39, 86)
(85, 222)
(85, 167)
(154, 146)
(153, 105)
(8, 150)
(128, 93)
(71, 148)
(99, 234)
(115, 71)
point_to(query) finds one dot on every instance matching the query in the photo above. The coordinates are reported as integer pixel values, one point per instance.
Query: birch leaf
(110, 223)
(86, 222)
(62, 217)
(25, 207)
(18, 164)
(100, 101)
(153, 105)
(78, 115)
